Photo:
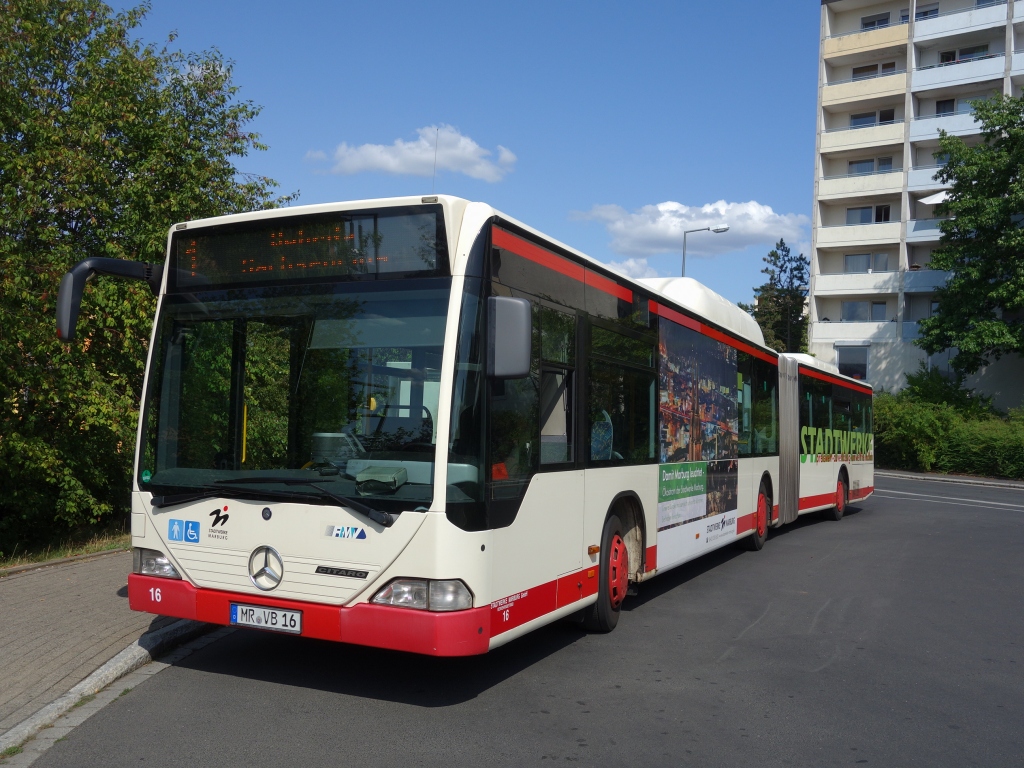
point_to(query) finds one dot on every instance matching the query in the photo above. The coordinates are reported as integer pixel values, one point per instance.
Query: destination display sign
(383, 243)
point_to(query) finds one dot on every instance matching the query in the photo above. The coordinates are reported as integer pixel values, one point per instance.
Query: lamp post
(716, 229)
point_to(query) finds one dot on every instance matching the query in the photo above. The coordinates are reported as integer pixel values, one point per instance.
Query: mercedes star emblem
(266, 568)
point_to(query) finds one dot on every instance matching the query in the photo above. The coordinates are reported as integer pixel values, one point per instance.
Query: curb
(59, 561)
(131, 658)
(956, 479)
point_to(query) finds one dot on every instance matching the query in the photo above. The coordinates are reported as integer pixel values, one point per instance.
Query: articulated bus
(419, 424)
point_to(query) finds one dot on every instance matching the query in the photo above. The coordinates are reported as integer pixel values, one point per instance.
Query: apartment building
(891, 74)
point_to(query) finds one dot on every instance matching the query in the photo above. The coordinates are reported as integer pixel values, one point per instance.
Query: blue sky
(610, 126)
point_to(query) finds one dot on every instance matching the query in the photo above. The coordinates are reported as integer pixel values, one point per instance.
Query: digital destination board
(386, 242)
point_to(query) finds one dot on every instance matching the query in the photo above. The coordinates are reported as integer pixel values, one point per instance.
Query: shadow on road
(371, 673)
(806, 521)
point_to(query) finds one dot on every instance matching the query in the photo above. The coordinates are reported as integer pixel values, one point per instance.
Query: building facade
(891, 74)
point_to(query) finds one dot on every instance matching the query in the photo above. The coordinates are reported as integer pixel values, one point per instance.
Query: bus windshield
(337, 383)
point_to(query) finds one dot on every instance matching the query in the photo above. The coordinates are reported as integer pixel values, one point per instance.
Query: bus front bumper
(458, 633)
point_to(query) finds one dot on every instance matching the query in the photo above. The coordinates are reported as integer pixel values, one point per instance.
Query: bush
(967, 438)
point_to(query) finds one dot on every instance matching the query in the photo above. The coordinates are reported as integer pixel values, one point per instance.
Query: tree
(104, 143)
(779, 307)
(981, 307)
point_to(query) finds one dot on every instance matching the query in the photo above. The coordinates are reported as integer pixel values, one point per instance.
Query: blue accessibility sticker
(192, 531)
(175, 530)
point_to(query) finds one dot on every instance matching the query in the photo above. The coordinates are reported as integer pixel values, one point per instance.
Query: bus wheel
(613, 581)
(842, 495)
(756, 540)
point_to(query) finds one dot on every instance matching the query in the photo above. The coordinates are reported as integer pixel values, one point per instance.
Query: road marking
(955, 503)
(952, 498)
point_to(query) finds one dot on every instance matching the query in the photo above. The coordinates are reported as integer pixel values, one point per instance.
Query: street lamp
(717, 229)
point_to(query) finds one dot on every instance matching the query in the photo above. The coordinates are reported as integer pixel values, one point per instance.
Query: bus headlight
(149, 562)
(450, 595)
(426, 595)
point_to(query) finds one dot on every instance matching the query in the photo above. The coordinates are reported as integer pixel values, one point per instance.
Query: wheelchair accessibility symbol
(183, 530)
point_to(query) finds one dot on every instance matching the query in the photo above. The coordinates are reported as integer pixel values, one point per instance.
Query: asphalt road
(891, 638)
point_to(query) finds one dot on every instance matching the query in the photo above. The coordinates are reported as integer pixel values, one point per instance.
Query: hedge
(933, 437)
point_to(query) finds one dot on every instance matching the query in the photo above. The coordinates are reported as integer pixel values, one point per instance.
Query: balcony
(982, 16)
(923, 230)
(858, 234)
(843, 139)
(974, 70)
(1017, 64)
(923, 280)
(878, 87)
(922, 179)
(911, 331)
(858, 42)
(852, 185)
(875, 332)
(956, 123)
(851, 283)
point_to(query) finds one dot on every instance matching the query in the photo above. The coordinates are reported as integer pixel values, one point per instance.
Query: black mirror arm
(72, 285)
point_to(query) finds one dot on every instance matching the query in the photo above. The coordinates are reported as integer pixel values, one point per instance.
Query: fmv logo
(345, 532)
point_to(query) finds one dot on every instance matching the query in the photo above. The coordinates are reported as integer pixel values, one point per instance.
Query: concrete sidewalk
(60, 623)
(993, 482)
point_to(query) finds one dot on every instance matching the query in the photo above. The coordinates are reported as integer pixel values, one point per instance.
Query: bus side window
(622, 397)
(745, 397)
(557, 383)
(766, 409)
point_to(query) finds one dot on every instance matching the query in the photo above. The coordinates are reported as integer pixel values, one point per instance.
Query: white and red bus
(419, 424)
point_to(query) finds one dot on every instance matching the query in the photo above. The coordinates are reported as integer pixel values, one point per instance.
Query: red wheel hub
(840, 496)
(762, 515)
(618, 571)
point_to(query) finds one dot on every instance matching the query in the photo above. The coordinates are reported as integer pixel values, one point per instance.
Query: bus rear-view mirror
(72, 285)
(510, 335)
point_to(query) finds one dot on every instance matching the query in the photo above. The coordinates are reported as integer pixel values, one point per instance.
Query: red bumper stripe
(862, 493)
(745, 523)
(460, 633)
(823, 500)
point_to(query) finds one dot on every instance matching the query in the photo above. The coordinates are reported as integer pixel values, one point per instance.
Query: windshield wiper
(170, 500)
(383, 518)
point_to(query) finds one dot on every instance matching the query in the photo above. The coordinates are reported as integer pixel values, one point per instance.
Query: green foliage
(908, 434)
(779, 308)
(934, 428)
(932, 386)
(981, 307)
(104, 143)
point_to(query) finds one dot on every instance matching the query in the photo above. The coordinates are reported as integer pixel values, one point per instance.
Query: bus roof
(683, 291)
(813, 362)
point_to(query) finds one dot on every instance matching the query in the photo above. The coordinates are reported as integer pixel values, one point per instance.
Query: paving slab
(60, 623)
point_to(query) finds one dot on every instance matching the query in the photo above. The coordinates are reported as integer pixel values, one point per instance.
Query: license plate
(275, 619)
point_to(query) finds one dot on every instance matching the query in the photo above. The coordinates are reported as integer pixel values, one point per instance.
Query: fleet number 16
(154, 594)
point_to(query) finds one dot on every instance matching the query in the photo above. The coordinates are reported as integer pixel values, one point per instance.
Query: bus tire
(613, 579)
(757, 539)
(835, 513)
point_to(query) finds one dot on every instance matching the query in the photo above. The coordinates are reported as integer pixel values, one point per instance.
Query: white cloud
(455, 152)
(316, 154)
(659, 228)
(635, 268)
